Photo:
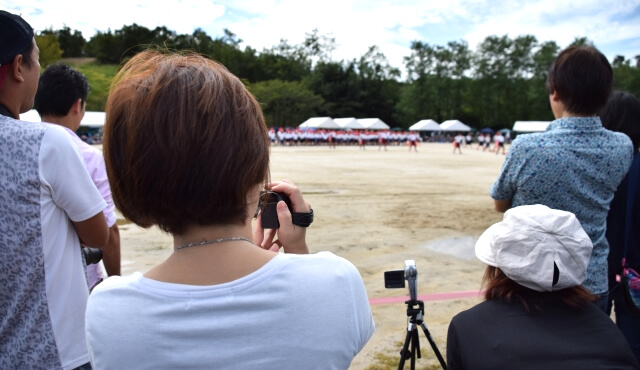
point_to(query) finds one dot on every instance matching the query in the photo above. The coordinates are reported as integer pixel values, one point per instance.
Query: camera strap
(302, 219)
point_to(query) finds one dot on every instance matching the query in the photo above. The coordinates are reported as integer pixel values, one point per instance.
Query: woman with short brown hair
(187, 149)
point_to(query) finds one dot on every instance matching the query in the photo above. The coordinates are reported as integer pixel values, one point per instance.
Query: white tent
(93, 119)
(348, 123)
(90, 119)
(425, 125)
(318, 122)
(373, 124)
(530, 126)
(454, 125)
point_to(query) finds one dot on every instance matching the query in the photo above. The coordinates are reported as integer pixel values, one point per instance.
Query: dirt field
(377, 209)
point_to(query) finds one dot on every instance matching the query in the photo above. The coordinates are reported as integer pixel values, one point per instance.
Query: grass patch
(99, 77)
(122, 221)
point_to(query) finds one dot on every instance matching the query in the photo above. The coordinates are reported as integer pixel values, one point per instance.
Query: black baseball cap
(15, 36)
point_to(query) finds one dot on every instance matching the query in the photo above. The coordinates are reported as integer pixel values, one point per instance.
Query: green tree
(438, 83)
(417, 97)
(72, 44)
(285, 103)
(50, 51)
(318, 47)
(105, 47)
(581, 41)
(503, 72)
(337, 83)
(625, 75)
(543, 57)
(378, 87)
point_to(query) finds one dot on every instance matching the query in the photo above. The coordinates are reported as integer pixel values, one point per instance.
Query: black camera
(91, 255)
(267, 205)
(396, 278)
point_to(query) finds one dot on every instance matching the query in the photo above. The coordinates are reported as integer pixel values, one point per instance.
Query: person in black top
(536, 315)
(622, 114)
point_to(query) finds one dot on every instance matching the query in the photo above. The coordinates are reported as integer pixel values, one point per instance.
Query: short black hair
(59, 87)
(622, 114)
(17, 38)
(582, 77)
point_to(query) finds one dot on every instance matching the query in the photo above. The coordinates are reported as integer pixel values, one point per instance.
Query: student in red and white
(383, 139)
(412, 141)
(458, 141)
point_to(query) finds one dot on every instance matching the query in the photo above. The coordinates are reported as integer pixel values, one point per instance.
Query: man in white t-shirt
(61, 99)
(48, 204)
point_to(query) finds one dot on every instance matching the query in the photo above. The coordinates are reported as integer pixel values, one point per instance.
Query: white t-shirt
(94, 162)
(296, 312)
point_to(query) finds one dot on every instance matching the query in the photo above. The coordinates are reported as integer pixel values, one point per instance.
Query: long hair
(622, 114)
(499, 287)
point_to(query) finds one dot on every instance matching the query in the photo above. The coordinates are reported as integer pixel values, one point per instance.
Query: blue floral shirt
(576, 166)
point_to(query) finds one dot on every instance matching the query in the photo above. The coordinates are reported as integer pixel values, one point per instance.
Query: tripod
(415, 313)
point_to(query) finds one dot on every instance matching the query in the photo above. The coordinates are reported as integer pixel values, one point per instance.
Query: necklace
(214, 241)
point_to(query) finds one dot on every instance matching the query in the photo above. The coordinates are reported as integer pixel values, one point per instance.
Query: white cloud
(561, 22)
(89, 16)
(355, 24)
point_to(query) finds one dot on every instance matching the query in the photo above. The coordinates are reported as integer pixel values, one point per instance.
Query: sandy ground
(378, 209)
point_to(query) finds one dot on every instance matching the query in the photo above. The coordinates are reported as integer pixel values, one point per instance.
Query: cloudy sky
(613, 25)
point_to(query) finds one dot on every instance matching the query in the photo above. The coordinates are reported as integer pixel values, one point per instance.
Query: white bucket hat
(527, 243)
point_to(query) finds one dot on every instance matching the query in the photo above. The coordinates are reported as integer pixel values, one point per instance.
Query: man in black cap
(18, 65)
(48, 204)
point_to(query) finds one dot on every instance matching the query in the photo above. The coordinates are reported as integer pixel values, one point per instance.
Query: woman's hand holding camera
(290, 237)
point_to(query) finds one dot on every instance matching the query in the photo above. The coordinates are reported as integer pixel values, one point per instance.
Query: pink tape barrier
(428, 297)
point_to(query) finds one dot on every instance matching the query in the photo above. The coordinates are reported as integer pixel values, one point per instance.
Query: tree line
(502, 81)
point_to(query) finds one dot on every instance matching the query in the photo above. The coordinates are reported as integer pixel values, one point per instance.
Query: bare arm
(93, 232)
(502, 205)
(111, 252)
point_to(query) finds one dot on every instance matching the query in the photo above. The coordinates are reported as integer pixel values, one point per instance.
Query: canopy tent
(348, 123)
(318, 122)
(373, 124)
(90, 119)
(425, 125)
(93, 119)
(454, 125)
(530, 126)
(487, 130)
